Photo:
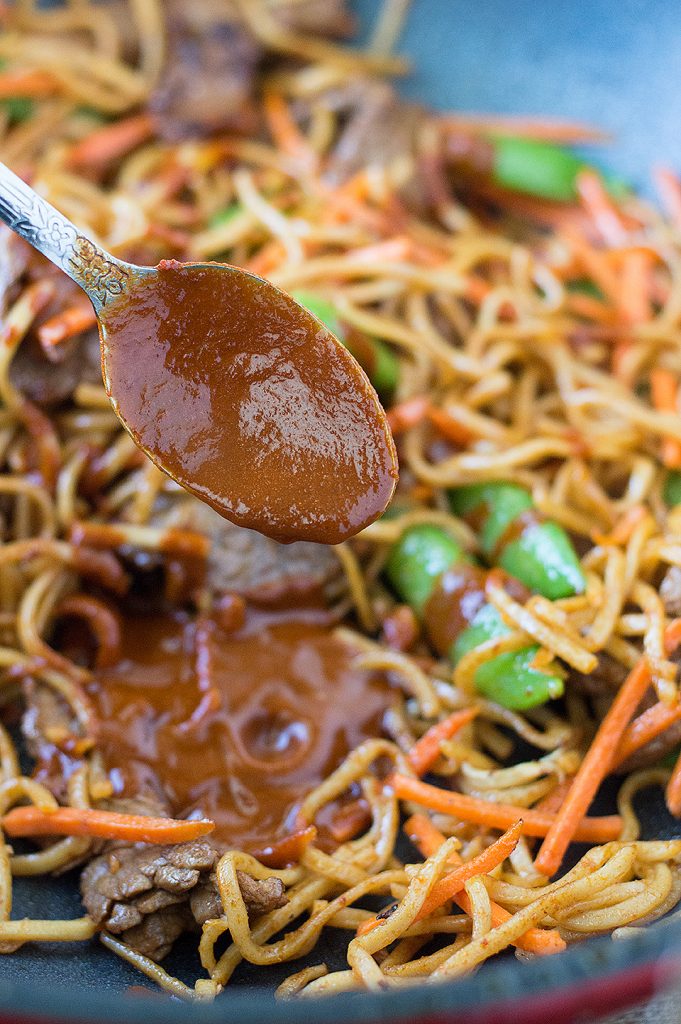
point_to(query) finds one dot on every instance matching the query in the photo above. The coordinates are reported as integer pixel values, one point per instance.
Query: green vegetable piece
(414, 566)
(508, 679)
(541, 556)
(323, 310)
(671, 491)
(544, 559)
(670, 758)
(417, 561)
(224, 216)
(542, 169)
(385, 373)
(492, 507)
(585, 286)
(18, 108)
(378, 360)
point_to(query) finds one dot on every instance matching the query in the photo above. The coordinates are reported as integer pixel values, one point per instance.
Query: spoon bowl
(230, 387)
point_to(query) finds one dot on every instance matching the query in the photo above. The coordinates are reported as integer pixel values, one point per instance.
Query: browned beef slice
(604, 681)
(241, 561)
(320, 17)
(47, 720)
(209, 71)
(150, 894)
(380, 126)
(42, 381)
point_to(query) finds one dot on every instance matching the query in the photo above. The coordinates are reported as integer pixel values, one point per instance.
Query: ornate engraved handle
(101, 275)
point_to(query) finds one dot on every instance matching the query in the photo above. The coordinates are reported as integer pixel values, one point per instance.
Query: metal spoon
(229, 386)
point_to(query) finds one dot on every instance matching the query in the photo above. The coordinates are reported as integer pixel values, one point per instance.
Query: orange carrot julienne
(600, 207)
(428, 840)
(673, 790)
(81, 821)
(650, 724)
(426, 750)
(408, 414)
(398, 248)
(664, 386)
(543, 129)
(36, 85)
(451, 884)
(595, 263)
(500, 816)
(71, 321)
(553, 801)
(635, 285)
(623, 528)
(288, 850)
(598, 760)
(112, 141)
(669, 187)
(449, 427)
(591, 308)
(284, 129)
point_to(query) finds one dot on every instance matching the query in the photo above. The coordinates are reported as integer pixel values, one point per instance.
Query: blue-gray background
(616, 63)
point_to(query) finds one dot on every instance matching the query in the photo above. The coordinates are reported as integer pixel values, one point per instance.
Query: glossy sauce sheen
(247, 400)
(238, 726)
(457, 597)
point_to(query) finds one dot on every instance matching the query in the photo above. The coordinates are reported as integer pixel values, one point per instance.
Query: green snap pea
(377, 360)
(671, 491)
(542, 169)
(225, 215)
(18, 108)
(537, 551)
(414, 568)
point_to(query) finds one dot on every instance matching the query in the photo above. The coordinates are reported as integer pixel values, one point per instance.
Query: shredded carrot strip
(501, 816)
(428, 840)
(553, 801)
(600, 207)
(288, 850)
(664, 386)
(452, 884)
(635, 297)
(591, 308)
(285, 132)
(449, 427)
(408, 414)
(546, 130)
(71, 321)
(398, 248)
(669, 187)
(426, 750)
(595, 263)
(112, 141)
(36, 85)
(80, 821)
(623, 528)
(597, 761)
(350, 821)
(650, 724)
(673, 791)
(267, 258)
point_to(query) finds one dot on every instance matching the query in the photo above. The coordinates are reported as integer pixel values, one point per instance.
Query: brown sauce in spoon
(248, 401)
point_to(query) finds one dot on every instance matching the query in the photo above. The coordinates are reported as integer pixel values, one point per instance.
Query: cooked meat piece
(210, 70)
(604, 681)
(243, 562)
(42, 381)
(670, 590)
(318, 17)
(380, 127)
(150, 894)
(125, 884)
(155, 934)
(46, 722)
(261, 896)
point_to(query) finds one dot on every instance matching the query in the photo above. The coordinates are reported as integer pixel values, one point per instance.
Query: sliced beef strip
(604, 681)
(210, 70)
(46, 721)
(244, 562)
(380, 126)
(150, 894)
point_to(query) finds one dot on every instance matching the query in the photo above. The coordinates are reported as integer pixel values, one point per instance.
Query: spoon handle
(101, 275)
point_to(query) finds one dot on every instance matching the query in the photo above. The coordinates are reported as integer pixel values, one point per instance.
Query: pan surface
(612, 64)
